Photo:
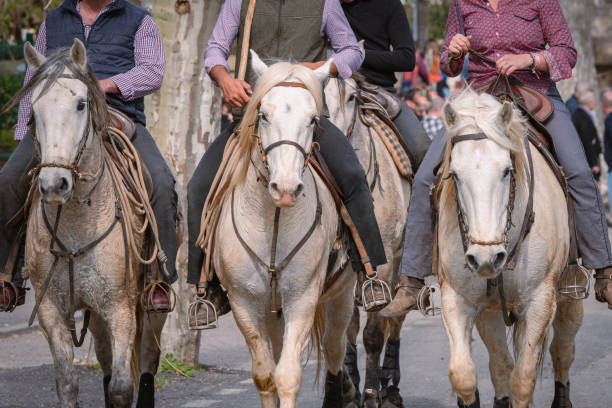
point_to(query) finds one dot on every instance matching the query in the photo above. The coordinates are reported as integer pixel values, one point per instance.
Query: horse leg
(338, 313)
(123, 334)
(373, 341)
(390, 374)
(529, 338)
(299, 315)
(458, 318)
(257, 340)
(148, 357)
(562, 348)
(60, 343)
(493, 333)
(101, 336)
(351, 377)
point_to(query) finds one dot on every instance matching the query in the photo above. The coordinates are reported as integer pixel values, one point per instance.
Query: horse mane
(480, 111)
(50, 71)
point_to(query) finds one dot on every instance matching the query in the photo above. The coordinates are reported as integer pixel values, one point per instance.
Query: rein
(528, 219)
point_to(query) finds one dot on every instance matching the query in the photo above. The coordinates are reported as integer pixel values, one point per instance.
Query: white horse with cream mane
(284, 117)
(485, 155)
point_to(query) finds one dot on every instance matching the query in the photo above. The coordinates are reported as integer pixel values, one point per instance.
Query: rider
(124, 49)
(533, 43)
(283, 30)
(389, 48)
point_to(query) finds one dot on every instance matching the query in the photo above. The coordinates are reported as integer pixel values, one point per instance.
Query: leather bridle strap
(470, 136)
(274, 145)
(292, 85)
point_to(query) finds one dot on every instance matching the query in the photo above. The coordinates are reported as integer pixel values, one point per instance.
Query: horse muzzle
(55, 185)
(285, 196)
(487, 261)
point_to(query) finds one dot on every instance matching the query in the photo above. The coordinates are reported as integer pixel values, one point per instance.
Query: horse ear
(505, 114)
(78, 54)
(33, 58)
(323, 71)
(449, 115)
(257, 64)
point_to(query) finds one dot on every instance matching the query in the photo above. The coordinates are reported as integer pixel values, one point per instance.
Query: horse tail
(316, 339)
(134, 365)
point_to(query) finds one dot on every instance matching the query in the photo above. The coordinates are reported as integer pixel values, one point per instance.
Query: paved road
(27, 379)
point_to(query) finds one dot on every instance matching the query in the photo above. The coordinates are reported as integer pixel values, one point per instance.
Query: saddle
(389, 103)
(120, 121)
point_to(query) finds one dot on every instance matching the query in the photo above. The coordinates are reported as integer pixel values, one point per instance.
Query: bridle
(464, 227)
(528, 219)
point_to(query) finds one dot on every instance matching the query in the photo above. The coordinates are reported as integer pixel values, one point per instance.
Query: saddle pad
(391, 142)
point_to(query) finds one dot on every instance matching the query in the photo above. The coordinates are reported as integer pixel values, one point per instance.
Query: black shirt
(608, 141)
(382, 24)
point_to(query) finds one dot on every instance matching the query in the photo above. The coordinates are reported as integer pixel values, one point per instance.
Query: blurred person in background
(584, 121)
(580, 88)
(606, 107)
(432, 121)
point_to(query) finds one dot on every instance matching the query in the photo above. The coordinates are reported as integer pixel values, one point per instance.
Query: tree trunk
(184, 117)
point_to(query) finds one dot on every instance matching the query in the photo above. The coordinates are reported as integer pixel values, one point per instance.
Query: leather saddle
(120, 121)
(384, 98)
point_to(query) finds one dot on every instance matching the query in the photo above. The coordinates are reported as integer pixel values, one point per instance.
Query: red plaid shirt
(517, 27)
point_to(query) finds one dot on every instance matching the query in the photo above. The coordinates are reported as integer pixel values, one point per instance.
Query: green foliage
(9, 85)
(95, 366)
(16, 15)
(169, 364)
(438, 13)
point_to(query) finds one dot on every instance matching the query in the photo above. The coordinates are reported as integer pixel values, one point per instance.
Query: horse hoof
(333, 391)
(391, 397)
(501, 403)
(475, 404)
(562, 396)
(370, 398)
(146, 391)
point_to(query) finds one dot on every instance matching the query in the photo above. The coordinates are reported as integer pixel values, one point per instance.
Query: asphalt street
(27, 377)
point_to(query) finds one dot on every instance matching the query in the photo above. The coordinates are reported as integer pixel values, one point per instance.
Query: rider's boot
(11, 296)
(215, 303)
(603, 286)
(375, 294)
(405, 298)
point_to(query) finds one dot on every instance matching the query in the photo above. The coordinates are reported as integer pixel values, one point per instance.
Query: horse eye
(508, 171)
(81, 105)
(262, 116)
(351, 97)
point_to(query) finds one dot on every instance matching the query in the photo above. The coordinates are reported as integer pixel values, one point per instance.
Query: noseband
(467, 238)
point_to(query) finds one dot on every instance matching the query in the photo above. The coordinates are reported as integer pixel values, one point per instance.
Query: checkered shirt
(432, 125)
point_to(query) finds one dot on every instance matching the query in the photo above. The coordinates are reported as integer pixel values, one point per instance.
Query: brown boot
(211, 302)
(405, 299)
(603, 286)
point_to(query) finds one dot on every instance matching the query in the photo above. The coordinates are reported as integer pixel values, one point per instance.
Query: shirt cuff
(344, 70)
(553, 69)
(213, 61)
(126, 89)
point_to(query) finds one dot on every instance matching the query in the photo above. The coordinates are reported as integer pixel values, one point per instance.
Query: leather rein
(528, 219)
(273, 268)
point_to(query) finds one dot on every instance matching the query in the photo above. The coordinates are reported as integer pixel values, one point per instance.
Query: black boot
(146, 391)
(105, 382)
(334, 397)
(475, 404)
(562, 396)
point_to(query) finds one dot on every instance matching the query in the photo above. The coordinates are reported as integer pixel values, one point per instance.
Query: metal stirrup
(202, 313)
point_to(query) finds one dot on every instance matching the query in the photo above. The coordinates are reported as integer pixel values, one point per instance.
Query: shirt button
(497, 34)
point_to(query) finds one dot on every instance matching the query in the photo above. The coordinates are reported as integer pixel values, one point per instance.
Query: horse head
(288, 101)
(484, 136)
(62, 87)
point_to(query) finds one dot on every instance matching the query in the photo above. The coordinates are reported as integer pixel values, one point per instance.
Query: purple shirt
(144, 79)
(347, 54)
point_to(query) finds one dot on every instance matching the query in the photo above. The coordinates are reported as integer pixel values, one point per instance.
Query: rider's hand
(108, 86)
(459, 46)
(509, 63)
(235, 91)
(596, 170)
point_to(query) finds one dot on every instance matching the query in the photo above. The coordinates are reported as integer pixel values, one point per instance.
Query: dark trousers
(342, 162)
(413, 134)
(15, 185)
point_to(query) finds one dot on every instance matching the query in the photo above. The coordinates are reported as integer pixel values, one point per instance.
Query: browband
(470, 136)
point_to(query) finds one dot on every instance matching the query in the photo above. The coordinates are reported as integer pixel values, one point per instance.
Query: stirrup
(425, 301)
(146, 297)
(202, 313)
(374, 300)
(8, 306)
(574, 281)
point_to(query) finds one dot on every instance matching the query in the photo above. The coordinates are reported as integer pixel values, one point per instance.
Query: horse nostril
(472, 262)
(500, 258)
(63, 185)
(299, 189)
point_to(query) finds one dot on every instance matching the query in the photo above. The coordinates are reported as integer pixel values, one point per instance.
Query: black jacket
(608, 141)
(389, 48)
(588, 135)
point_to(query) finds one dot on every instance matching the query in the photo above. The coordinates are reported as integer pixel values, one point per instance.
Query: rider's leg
(163, 198)
(346, 169)
(15, 184)
(418, 238)
(591, 224)
(412, 133)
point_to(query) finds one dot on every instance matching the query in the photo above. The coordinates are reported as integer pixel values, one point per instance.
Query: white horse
(285, 117)
(69, 113)
(478, 174)
(391, 194)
